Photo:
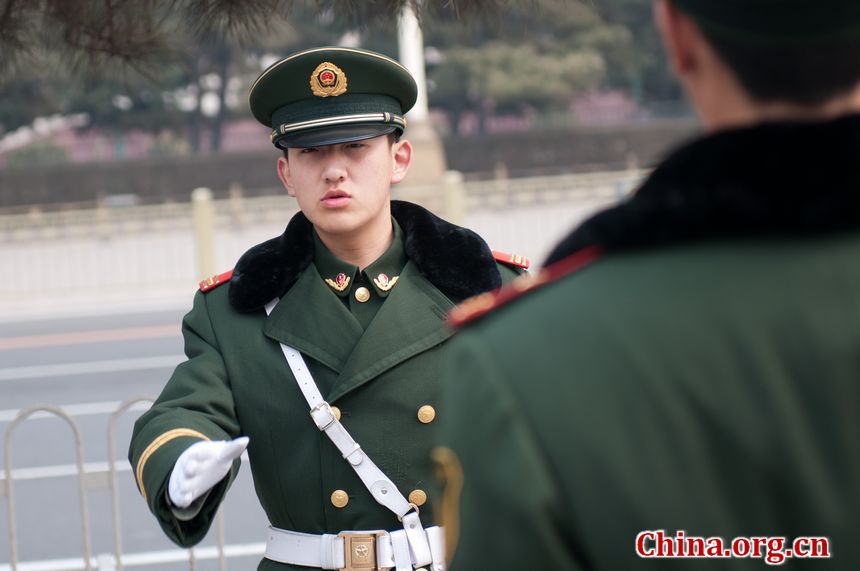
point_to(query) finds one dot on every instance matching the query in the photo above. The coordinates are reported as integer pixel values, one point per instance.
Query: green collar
(383, 273)
(339, 275)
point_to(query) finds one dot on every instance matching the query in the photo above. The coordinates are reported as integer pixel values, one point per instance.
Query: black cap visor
(333, 135)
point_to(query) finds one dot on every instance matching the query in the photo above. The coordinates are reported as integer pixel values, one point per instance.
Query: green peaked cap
(777, 21)
(330, 95)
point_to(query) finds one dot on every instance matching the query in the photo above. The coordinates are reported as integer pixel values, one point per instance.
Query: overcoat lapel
(411, 320)
(313, 320)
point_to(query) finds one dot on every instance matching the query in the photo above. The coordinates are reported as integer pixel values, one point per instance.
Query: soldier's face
(344, 188)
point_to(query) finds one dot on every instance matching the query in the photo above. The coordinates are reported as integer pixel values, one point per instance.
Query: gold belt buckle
(359, 550)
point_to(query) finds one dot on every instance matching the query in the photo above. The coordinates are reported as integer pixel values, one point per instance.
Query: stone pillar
(454, 195)
(429, 164)
(203, 216)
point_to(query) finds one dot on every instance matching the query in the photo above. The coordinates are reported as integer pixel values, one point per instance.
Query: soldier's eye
(309, 150)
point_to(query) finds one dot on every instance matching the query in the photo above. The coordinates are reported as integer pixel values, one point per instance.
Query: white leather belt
(351, 550)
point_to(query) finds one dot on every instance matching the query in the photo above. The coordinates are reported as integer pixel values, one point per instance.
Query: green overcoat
(691, 363)
(236, 380)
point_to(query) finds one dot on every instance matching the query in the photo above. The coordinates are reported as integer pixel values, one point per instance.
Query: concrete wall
(567, 150)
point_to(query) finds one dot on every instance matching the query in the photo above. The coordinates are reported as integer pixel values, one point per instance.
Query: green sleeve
(196, 404)
(508, 514)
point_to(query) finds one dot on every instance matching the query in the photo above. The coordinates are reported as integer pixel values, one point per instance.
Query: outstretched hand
(200, 467)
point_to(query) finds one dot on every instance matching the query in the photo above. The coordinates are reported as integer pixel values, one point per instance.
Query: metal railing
(157, 251)
(135, 254)
(92, 477)
(106, 223)
(85, 480)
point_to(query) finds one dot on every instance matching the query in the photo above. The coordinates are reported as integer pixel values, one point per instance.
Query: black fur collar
(769, 180)
(454, 259)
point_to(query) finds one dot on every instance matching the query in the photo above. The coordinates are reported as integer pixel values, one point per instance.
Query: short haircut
(806, 73)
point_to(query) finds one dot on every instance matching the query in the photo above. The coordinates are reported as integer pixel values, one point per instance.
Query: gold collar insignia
(384, 283)
(339, 283)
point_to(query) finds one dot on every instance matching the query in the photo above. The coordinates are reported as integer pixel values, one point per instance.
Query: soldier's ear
(284, 175)
(402, 155)
(674, 27)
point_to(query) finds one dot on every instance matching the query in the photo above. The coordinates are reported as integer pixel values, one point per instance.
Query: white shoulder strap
(381, 487)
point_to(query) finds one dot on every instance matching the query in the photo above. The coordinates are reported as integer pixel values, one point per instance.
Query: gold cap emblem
(328, 80)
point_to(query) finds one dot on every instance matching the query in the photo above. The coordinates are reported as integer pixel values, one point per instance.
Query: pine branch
(89, 34)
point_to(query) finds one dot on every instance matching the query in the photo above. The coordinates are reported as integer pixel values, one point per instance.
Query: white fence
(58, 261)
(93, 477)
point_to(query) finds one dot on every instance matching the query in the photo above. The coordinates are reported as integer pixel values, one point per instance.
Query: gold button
(339, 499)
(426, 414)
(418, 497)
(336, 412)
(362, 294)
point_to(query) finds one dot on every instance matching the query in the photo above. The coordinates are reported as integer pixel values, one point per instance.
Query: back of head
(798, 51)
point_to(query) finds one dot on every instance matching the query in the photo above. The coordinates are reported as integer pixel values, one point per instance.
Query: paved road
(87, 366)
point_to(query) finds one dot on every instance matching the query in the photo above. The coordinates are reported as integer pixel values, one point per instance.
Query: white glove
(200, 467)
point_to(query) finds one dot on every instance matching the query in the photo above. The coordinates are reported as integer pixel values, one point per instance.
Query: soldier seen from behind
(689, 361)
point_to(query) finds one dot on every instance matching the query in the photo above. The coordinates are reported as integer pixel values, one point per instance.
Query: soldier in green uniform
(688, 362)
(320, 351)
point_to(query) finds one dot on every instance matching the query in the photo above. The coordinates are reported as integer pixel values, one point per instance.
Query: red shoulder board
(480, 305)
(215, 281)
(511, 259)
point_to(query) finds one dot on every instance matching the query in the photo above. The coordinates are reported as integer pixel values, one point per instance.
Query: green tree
(146, 64)
(648, 75)
(537, 56)
(36, 155)
(28, 97)
(508, 78)
(156, 82)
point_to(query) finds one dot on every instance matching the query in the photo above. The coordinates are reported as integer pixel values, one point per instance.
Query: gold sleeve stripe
(155, 445)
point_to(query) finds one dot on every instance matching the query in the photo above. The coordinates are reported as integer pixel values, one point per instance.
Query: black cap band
(307, 120)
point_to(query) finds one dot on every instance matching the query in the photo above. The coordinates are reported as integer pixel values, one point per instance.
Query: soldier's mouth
(335, 198)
